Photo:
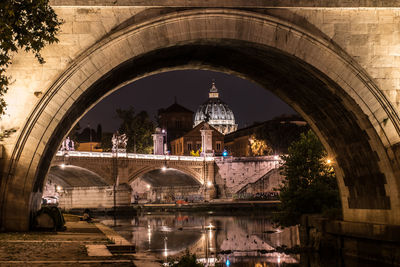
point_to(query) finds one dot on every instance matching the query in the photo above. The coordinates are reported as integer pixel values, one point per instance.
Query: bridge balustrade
(131, 155)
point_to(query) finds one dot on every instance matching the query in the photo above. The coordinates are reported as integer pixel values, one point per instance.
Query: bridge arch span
(198, 176)
(349, 113)
(100, 166)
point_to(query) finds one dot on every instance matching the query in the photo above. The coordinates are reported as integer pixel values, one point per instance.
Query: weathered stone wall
(232, 174)
(267, 183)
(371, 242)
(336, 66)
(94, 197)
(369, 35)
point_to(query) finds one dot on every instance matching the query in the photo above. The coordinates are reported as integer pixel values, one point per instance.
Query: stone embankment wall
(372, 242)
(267, 183)
(232, 174)
(95, 197)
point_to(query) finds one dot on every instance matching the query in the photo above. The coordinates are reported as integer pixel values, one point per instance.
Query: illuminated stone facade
(191, 141)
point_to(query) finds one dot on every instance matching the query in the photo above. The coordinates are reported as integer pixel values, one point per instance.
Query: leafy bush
(310, 184)
(187, 260)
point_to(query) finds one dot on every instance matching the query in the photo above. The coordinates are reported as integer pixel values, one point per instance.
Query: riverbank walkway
(82, 243)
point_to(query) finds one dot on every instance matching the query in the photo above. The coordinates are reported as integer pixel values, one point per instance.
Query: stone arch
(101, 168)
(352, 117)
(137, 173)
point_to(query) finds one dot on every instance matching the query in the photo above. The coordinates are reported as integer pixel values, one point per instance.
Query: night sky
(249, 102)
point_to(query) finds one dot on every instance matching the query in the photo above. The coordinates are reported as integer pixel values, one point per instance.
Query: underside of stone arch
(195, 172)
(169, 178)
(351, 116)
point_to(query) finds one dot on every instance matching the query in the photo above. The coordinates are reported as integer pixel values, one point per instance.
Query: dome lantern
(213, 91)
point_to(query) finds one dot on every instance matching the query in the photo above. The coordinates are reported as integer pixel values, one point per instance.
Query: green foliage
(259, 147)
(6, 133)
(195, 153)
(106, 143)
(138, 127)
(187, 260)
(27, 25)
(310, 184)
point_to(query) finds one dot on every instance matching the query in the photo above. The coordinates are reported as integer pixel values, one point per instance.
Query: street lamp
(119, 142)
(165, 141)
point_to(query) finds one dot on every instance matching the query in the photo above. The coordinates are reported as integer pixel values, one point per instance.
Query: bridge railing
(273, 158)
(131, 156)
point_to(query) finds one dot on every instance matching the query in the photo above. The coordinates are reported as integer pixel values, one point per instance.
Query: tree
(195, 153)
(106, 143)
(187, 260)
(27, 25)
(259, 147)
(99, 133)
(310, 184)
(139, 129)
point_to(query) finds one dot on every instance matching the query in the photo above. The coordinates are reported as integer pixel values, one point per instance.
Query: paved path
(112, 235)
(81, 244)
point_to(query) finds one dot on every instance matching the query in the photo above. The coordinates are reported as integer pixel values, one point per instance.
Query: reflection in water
(234, 240)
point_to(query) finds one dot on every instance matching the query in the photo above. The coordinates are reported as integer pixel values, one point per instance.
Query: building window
(218, 146)
(189, 147)
(198, 145)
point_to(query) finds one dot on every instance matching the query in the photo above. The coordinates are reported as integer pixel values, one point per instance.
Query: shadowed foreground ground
(68, 248)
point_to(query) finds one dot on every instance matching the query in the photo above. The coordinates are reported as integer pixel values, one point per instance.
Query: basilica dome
(216, 113)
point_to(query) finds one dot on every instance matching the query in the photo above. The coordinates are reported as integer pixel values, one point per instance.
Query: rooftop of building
(176, 108)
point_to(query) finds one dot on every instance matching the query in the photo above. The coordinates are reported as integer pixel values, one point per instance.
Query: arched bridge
(129, 166)
(335, 62)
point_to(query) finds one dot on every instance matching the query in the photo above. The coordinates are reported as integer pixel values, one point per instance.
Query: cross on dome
(213, 91)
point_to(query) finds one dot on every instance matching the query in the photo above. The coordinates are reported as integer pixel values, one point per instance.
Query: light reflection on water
(245, 241)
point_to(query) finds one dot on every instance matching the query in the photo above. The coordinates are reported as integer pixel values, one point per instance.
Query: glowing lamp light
(148, 186)
(62, 166)
(225, 153)
(276, 157)
(228, 263)
(59, 188)
(164, 168)
(209, 184)
(328, 161)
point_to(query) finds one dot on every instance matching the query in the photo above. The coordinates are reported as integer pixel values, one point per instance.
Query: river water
(234, 240)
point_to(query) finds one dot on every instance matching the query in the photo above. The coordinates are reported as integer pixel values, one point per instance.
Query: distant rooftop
(176, 108)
